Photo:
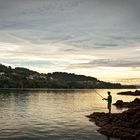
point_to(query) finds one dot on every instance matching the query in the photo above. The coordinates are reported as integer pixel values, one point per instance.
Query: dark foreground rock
(125, 125)
(135, 93)
(133, 104)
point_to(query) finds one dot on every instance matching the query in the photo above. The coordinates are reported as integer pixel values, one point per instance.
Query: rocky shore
(133, 104)
(125, 125)
(135, 93)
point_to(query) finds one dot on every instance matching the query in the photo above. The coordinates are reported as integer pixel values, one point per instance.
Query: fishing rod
(99, 94)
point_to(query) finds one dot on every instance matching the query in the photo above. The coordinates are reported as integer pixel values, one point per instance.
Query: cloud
(70, 55)
(106, 63)
(105, 45)
(79, 23)
(129, 81)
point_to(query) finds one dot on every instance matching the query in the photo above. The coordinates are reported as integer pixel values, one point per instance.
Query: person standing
(109, 101)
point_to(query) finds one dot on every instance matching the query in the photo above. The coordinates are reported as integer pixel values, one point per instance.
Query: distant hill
(24, 78)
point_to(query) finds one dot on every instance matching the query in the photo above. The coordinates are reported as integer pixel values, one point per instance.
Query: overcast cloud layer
(81, 36)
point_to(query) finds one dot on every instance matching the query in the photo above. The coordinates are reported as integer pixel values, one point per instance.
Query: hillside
(24, 78)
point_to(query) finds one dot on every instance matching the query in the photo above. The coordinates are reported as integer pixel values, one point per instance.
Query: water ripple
(43, 115)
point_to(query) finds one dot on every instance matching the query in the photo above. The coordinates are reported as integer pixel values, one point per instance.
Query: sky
(99, 38)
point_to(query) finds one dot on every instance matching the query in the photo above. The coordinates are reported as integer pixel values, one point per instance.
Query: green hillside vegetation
(24, 78)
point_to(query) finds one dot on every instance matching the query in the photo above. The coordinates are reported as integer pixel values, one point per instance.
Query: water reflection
(52, 114)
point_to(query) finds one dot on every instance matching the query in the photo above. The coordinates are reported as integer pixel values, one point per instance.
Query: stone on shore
(121, 104)
(125, 125)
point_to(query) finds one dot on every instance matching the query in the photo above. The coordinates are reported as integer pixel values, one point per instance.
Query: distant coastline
(24, 79)
(30, 89)
(135, 93)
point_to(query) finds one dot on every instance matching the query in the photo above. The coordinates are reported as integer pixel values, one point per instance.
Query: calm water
(52, 114)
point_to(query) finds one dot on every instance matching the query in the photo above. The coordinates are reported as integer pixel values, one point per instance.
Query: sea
(42, 114)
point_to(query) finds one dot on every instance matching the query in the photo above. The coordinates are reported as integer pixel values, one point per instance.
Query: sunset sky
(99, 38)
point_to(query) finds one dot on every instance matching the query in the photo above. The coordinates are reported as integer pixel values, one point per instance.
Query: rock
(135, 103)
(119, 103)
(135, 93)
(125, 125)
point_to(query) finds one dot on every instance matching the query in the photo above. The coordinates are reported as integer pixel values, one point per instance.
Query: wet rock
(125, 125)
(119, 103)
(135, 103)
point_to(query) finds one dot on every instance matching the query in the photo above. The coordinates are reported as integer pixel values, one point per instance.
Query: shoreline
(125, 125)
(60, 88)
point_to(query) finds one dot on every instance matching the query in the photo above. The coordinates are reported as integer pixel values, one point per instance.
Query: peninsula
(20, 77)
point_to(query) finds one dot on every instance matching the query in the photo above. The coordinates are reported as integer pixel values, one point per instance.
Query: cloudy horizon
(99, 38)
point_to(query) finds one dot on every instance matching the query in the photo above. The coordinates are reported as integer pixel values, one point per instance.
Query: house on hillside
(2, 73)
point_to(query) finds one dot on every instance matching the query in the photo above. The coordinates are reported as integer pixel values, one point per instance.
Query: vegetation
(25, 78)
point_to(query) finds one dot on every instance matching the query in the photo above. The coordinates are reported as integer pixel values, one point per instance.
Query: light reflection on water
(52, 114)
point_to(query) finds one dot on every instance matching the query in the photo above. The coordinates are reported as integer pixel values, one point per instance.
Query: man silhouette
(109, 101)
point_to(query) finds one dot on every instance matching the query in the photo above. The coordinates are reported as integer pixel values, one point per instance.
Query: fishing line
(99, 94)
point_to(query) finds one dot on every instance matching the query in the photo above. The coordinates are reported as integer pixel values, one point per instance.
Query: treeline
(25, 78)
